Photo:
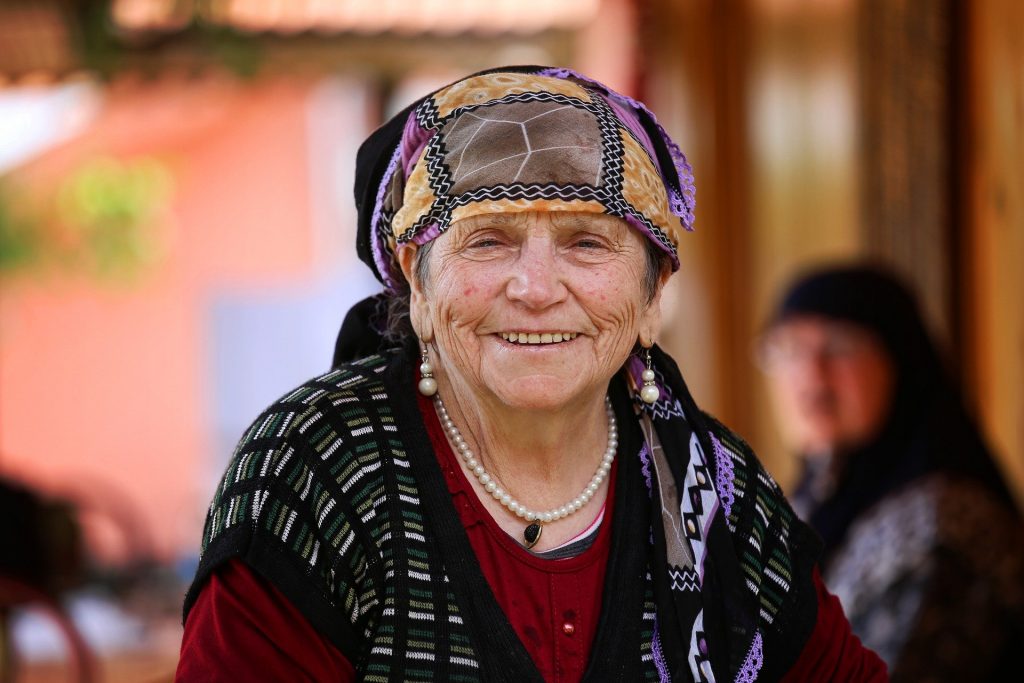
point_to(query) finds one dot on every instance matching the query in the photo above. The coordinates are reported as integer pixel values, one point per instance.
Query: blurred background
(176, 211)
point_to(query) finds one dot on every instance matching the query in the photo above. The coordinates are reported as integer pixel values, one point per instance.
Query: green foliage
(20, 243)
(238, 52)
(105, 220)
(109, 210)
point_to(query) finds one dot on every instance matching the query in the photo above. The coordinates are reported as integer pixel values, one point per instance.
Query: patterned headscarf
(513, 140)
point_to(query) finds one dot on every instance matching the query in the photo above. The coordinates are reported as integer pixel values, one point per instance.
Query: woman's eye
(586, 243)
(484, 242)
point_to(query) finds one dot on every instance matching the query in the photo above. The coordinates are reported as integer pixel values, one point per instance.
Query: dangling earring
(649, 393)
(427, 385)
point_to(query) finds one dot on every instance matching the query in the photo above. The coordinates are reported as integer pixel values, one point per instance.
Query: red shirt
(833, 653)
(241, 628)
(553, 605)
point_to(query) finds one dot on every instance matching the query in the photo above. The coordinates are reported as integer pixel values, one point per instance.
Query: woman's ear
(650, 319)
(419, 312)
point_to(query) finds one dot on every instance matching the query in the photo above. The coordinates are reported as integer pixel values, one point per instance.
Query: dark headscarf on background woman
(927, 431)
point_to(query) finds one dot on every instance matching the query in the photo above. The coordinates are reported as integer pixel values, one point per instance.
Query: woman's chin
(541, 392)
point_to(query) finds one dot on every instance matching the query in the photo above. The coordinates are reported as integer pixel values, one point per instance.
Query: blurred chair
(18, 594)
(42, 557)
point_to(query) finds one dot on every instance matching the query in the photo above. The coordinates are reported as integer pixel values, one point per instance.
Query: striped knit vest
(329, 494)
(335, 496)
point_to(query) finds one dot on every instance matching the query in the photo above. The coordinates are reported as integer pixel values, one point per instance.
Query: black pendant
(532, 534)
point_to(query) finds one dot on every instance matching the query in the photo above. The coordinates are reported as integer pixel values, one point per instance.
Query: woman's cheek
(463, 302)
(612, 308)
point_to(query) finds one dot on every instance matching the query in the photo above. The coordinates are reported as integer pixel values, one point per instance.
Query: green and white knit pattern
(320, 494)
(270, 485)
(765, 556)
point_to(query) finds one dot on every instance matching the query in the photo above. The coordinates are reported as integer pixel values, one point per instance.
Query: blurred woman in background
(923, 542)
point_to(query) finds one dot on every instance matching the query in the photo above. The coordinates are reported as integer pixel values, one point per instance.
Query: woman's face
(501, 290)
(832, 383)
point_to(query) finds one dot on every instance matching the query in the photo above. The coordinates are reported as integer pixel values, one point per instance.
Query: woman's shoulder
(940, 547)
(306, 444)
(319, 434)
(741, 479)
(938, 509)
(938, 516)
(351, 402)
(296, 483)
(775, 550)
(355, 383)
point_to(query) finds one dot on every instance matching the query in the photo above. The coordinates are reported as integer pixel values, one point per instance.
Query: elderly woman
(503, 478)
(923, 542)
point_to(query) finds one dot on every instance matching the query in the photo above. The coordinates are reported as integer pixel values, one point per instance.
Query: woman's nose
(536, 280)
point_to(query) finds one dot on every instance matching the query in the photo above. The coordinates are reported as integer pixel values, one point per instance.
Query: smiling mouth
(538, 337)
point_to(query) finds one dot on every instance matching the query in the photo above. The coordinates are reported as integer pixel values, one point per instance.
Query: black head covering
(928, 429)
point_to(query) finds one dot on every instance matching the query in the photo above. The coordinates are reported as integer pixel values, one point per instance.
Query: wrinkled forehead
(554, 220)
(557, 225)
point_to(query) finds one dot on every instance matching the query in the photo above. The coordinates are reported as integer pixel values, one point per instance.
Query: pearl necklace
(533, 530)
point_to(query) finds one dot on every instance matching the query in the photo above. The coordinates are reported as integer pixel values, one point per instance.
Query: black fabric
(41, 539)
(664, 157)
(362, 331)
(928, 429)
(311, 466)
(735, 614)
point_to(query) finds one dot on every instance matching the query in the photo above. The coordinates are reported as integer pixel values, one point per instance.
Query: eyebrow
(588, 221)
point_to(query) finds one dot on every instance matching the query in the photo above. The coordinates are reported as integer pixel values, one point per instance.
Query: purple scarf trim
(377, 240)
(724, 475)
(659, 656)
(753, 662)
(414, 139)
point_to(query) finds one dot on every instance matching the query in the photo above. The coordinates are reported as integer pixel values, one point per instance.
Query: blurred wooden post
(761, 94)
(693, 70)
(909, 181)
(993, 258)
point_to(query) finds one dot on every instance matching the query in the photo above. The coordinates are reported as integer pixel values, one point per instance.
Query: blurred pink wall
(103, 389)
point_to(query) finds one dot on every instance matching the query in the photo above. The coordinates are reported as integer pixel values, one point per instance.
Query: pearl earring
(427, 385)
(649, 393)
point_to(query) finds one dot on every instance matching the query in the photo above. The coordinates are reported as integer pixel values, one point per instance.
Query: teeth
(538, 338)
